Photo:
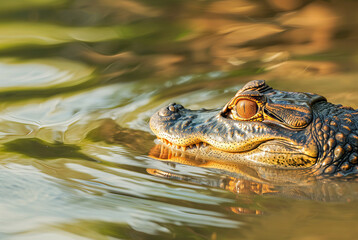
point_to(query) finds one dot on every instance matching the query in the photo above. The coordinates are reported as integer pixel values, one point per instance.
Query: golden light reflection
(68, 66)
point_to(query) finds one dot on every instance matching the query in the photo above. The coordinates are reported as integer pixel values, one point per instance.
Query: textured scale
(339, 152)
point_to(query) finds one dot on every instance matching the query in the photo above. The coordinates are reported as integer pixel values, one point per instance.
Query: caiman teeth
(183, 148)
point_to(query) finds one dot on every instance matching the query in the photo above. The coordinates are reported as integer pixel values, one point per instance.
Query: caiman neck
(336, 135)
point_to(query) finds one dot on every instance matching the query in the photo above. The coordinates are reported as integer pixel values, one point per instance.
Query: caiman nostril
(164, 112)
(172, 108)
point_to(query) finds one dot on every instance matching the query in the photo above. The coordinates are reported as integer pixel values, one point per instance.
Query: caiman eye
(246, 108)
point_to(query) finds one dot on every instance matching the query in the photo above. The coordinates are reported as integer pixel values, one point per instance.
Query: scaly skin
(336, 134)
(288, 130)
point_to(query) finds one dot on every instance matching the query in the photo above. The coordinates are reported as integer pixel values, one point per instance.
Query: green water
(79, 80)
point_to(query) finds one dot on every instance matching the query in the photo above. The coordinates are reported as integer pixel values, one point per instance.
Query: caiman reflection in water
(249, 180)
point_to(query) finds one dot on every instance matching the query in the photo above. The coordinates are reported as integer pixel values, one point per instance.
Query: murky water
(80, 79)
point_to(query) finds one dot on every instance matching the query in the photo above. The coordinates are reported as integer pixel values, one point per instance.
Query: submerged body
(264, 126)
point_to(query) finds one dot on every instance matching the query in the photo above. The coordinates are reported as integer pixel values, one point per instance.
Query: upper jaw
(183, 128)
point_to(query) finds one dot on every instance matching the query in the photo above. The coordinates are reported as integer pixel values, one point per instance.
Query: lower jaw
(206, 152)
(239, 166)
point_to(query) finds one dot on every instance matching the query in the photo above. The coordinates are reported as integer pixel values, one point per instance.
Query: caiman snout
(170, 109)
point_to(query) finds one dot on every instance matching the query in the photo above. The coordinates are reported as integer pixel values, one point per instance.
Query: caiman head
(259, 124)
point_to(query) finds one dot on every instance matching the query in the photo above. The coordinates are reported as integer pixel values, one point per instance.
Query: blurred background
(79, 80)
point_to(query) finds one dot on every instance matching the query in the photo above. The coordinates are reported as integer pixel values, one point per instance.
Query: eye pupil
(246, 108)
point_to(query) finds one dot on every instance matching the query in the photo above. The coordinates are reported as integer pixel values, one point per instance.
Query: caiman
(264, 126)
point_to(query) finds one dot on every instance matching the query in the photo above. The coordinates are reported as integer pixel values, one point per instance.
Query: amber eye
(246, 108)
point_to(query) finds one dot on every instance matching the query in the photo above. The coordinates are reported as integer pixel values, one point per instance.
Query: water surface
(80, 79)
